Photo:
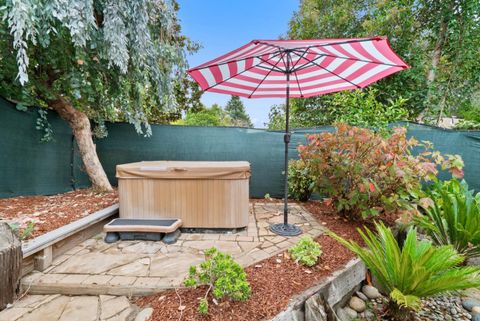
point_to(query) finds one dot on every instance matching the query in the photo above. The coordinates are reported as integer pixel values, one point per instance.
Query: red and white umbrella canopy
(315, 67)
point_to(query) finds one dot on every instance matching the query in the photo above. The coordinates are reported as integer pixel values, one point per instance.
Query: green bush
(418, 270)
(223, 276)
(300, 182)
(452, 216)
(306, 251)
(366, 173)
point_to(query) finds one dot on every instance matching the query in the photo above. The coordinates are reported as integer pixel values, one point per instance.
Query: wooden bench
(39, 252)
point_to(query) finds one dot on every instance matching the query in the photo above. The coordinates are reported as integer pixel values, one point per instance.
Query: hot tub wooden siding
(199, 202)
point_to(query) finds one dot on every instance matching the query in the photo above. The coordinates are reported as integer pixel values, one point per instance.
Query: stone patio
(94, 280)
(144, 267)
(76, 308)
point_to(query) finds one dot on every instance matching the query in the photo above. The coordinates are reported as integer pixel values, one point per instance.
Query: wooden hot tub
(201, 194)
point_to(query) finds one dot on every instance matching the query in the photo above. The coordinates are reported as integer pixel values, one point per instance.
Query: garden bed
(47, 213)
(274, 281)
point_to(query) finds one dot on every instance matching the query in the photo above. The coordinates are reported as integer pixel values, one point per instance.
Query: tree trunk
(82, 132)
(437, 52)
(10, 265)
(436, 55)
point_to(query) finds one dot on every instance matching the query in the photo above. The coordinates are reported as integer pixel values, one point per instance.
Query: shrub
(366, 173)
(306, 251)
(300, 182)
(223, 276)
(452, 216)
(417, 270)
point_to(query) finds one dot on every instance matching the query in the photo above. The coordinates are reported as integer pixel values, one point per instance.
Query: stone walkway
(143, 267)
(77, 308)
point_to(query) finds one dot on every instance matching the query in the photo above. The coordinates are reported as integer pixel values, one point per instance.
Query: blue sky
(223, 25)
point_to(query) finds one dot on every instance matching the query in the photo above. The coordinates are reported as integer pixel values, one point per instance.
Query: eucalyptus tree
(92, 60)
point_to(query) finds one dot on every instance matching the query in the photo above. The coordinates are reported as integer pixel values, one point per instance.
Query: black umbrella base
(285, 229)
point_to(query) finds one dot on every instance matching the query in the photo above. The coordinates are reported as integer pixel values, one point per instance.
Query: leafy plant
(366, 173)
(418, 270)
(300, 182)
(306, 251)
(223, 276)
(452, 216)
(25, 233)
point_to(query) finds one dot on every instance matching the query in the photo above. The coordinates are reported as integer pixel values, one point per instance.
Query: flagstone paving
(144, 267)
(76, 308)
(101, 276)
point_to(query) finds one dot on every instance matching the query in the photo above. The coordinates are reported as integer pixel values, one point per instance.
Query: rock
(342, 315)
(350, 312)
(468, 304)
(361, 296)
(472, 293)
(474, 261)
(369, 315)
(476, 310)
(144, 315)
(314, 309)
(357, 304)
(371, 292)
(475, 317)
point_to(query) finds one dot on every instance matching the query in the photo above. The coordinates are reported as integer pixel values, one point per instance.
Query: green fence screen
(29, 167)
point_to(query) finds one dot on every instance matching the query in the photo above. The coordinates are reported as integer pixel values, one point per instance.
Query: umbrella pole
(284, 228)
(286, 140)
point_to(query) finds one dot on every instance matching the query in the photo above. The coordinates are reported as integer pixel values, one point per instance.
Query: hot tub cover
(184, 170)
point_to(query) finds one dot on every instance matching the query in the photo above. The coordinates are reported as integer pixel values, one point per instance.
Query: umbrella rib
(236, 60)
(270, 45)
(309, 61)
(335, 74)
(239, 73)
(347, 58)
(299, 58)
(298, 84)
(268, 73)
(274, 66)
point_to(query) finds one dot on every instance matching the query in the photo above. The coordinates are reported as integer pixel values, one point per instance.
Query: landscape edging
(334, 290)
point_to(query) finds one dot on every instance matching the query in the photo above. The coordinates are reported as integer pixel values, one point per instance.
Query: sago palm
(453, 217)
(418, 270)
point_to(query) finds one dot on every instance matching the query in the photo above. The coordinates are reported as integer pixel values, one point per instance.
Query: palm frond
(417, 270)
(454, 218)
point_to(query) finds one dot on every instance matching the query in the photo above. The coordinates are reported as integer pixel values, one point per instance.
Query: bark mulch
(274, 281)
(50, 212)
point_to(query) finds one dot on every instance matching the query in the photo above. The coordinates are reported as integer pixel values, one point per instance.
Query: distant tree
(237, 113)
(357, 108)
(276, 117)
(93, 60)
(213, 116)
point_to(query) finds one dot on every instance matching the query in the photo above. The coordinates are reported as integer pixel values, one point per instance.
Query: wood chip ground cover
(274, 281)
(51, 212)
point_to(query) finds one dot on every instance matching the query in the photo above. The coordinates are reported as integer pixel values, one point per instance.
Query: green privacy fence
(29, 167)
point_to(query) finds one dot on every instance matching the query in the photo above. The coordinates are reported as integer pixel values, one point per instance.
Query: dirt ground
(46, 213)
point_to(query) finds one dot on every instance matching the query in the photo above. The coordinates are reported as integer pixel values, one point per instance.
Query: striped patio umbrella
(298, 68)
